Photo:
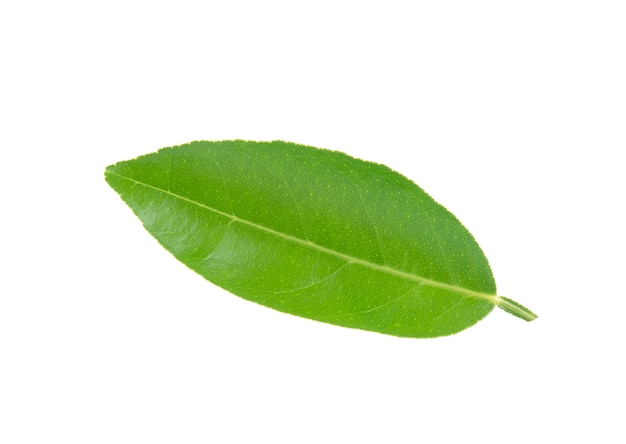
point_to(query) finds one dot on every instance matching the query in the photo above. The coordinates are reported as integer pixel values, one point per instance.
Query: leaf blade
(350, 235)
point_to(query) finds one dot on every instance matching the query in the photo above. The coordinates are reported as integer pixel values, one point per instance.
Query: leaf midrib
(494, 299)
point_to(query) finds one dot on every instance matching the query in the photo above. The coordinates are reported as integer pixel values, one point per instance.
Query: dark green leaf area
(312, 232)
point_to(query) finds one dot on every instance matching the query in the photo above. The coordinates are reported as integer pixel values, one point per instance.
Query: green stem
(515, 308)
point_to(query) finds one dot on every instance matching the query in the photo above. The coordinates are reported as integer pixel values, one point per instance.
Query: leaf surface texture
(312, 232)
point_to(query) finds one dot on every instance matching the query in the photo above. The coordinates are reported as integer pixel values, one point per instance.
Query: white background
(511, 114)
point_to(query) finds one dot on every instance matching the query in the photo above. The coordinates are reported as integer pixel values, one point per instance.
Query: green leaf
(314, 233)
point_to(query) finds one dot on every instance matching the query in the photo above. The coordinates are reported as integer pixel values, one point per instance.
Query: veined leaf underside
(315, 233)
